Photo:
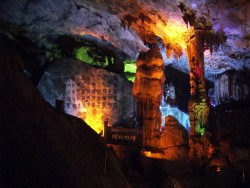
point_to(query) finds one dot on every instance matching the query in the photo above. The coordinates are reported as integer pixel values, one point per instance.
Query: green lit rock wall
(130, 70)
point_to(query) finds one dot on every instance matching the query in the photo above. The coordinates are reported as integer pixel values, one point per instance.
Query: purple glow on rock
(194, 5)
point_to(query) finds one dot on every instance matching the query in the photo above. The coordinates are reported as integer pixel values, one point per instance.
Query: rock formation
(231, 86)
(174, 140)
(201, 36)
(147, 90)
(92, 94)
(169, 107)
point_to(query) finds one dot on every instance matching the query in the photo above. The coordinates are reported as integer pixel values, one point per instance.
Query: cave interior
(143, 93)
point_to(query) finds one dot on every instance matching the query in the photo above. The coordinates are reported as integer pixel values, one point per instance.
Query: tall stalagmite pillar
(147, 89)
(198, 106)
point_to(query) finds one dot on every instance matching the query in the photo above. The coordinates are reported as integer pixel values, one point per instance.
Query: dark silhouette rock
(41, 147)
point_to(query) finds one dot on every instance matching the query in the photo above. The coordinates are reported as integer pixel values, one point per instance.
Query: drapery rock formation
(231, 86)
(147, 90)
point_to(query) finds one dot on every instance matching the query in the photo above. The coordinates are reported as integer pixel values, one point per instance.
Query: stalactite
(224, 88)
(216, 93)
(231, 86)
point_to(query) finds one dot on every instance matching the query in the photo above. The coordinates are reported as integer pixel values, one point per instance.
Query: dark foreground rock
(40, 147)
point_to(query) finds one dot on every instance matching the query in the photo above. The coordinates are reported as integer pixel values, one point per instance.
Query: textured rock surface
(92, 94)
(104, 19)
(173, 141)
(173, 133)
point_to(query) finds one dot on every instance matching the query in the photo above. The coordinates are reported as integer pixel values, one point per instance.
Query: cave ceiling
(129, 24)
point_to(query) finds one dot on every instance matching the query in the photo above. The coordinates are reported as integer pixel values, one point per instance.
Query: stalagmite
(147, 89)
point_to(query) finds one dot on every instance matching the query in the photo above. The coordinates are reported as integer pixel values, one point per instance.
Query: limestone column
(201, 36)
(198, 107)
(147, 90)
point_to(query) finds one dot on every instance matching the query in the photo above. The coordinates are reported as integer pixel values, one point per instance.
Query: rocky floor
(178, 175)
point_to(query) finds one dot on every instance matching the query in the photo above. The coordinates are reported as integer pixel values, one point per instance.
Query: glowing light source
(94, 118)
(218, 169)
(147, 153)
(82, 55)
(202, 131)
(130, 70)
(172, 33)
(90, 56)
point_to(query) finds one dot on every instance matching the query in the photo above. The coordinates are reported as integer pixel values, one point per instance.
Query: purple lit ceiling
(104, 19)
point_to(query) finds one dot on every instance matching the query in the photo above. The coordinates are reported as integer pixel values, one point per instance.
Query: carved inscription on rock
(94, 95)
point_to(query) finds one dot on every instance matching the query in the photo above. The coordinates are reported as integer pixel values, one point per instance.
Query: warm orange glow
(218, 169)
(172, 33)
(94, 118)
(147, 154)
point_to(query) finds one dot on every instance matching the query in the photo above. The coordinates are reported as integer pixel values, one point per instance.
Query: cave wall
(92, 94)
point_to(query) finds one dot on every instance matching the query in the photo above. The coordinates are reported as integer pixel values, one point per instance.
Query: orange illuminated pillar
(147, 90)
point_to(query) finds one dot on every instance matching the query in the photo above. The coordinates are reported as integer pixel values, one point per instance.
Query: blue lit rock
(182, 117)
